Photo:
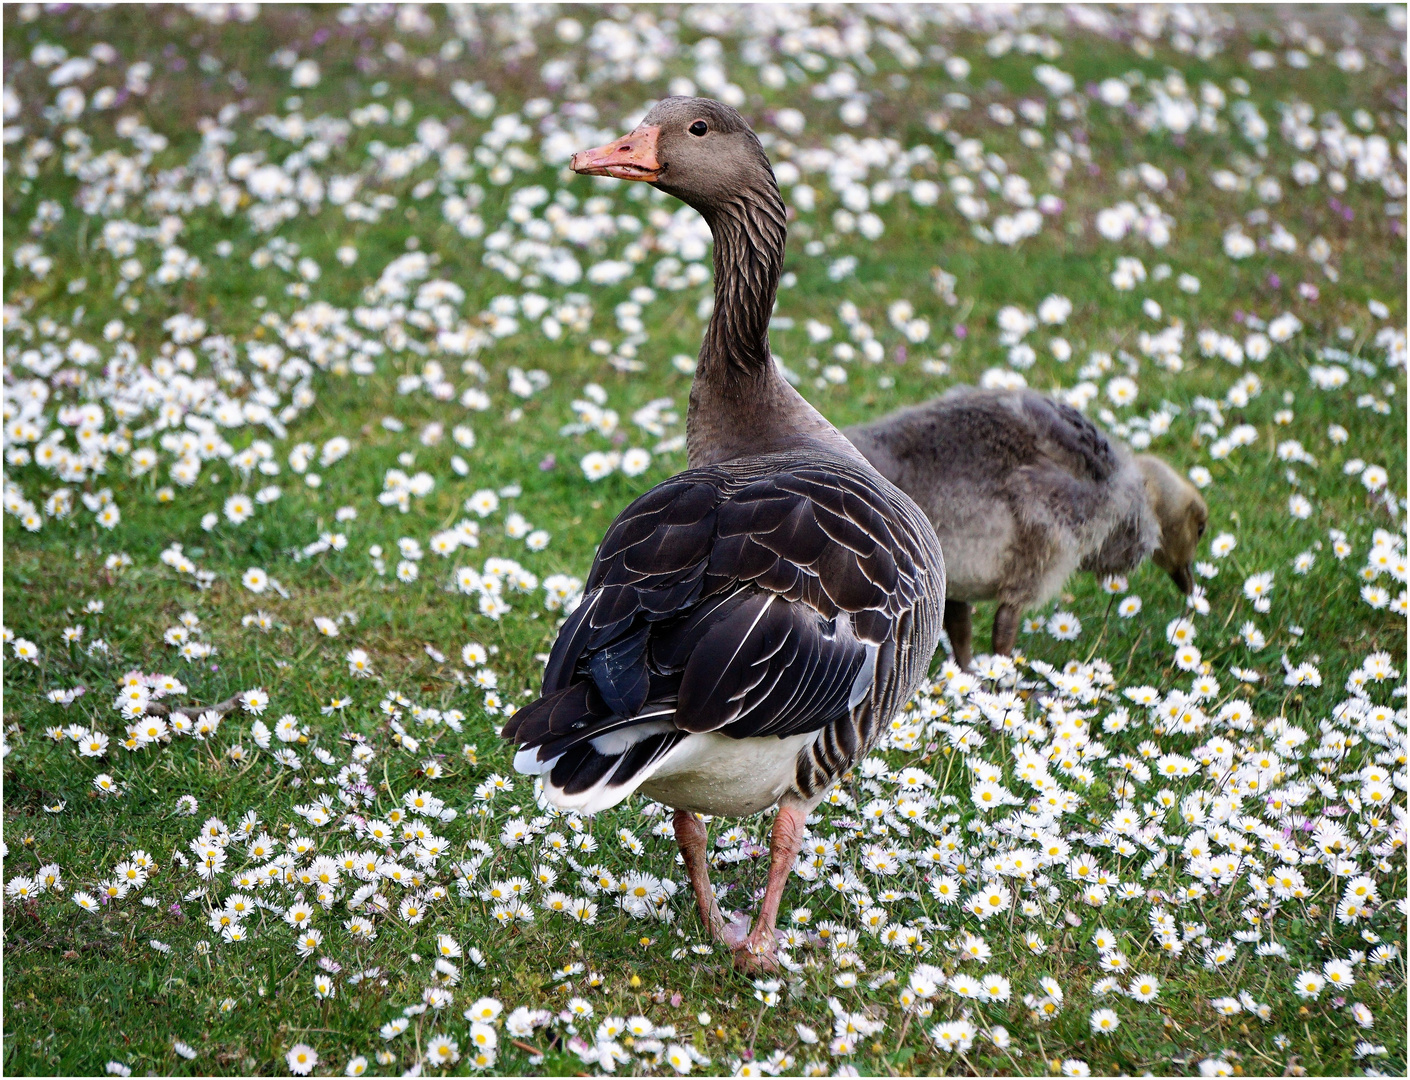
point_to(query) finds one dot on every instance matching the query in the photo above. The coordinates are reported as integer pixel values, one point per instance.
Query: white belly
(714, 774)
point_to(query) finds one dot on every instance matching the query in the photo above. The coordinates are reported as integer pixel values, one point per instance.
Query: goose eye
(698, 128)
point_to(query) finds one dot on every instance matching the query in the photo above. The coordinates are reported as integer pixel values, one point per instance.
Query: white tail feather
(527, 762)
(602, 795)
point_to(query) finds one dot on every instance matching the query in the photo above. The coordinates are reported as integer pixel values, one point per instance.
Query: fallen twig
(156, 708)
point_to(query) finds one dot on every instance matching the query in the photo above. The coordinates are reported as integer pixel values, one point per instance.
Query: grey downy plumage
(1023, 491)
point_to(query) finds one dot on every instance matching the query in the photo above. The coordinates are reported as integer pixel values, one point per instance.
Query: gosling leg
(959, 624)
(1006, 620)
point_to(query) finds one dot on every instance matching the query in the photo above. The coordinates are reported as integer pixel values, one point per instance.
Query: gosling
(1024, 490)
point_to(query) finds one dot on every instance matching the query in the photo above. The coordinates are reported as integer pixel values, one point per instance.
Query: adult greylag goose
(1024, 490)
(749, 626)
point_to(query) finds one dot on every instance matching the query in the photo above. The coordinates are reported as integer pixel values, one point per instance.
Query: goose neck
(740, 404)
(749, 235)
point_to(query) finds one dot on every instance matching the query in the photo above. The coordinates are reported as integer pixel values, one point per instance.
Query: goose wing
(754, 598)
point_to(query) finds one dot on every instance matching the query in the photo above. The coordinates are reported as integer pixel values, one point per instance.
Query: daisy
(1339, 974)
(1104, 1022)
(1143, 988)
(1188, 658)
(238, 509)
(596, 465)
(442, 1051)
(483, 503)
(301, 1058)
(634, 462)
(485, 1010)
(996, 988)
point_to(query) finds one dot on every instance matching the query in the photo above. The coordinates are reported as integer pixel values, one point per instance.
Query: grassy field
(323, 378)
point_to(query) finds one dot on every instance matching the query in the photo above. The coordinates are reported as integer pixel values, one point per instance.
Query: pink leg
(692, 838)
(787, 840)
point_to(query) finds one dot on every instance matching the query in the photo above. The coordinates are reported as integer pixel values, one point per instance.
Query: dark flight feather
(743, 598)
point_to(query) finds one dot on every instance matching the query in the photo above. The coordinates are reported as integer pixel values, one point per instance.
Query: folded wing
(756, 600)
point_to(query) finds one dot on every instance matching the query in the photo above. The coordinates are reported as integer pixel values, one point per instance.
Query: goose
(749, 626)
(1024, 490)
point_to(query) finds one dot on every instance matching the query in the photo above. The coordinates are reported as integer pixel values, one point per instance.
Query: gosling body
(1024, 491)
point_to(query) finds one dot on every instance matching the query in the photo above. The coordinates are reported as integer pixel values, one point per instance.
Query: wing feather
(1068, 437)
(758, 598)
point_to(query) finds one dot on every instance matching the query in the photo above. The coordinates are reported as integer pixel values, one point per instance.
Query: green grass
(83, 989)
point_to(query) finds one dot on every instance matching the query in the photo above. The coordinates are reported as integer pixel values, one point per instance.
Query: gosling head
(1182, 514)
(697, 149)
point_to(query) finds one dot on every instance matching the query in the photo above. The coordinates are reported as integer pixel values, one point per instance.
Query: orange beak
(632, 157)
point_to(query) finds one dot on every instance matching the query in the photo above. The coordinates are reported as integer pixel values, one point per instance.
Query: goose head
(704, 153)
(1182, 514)
(697, 149)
